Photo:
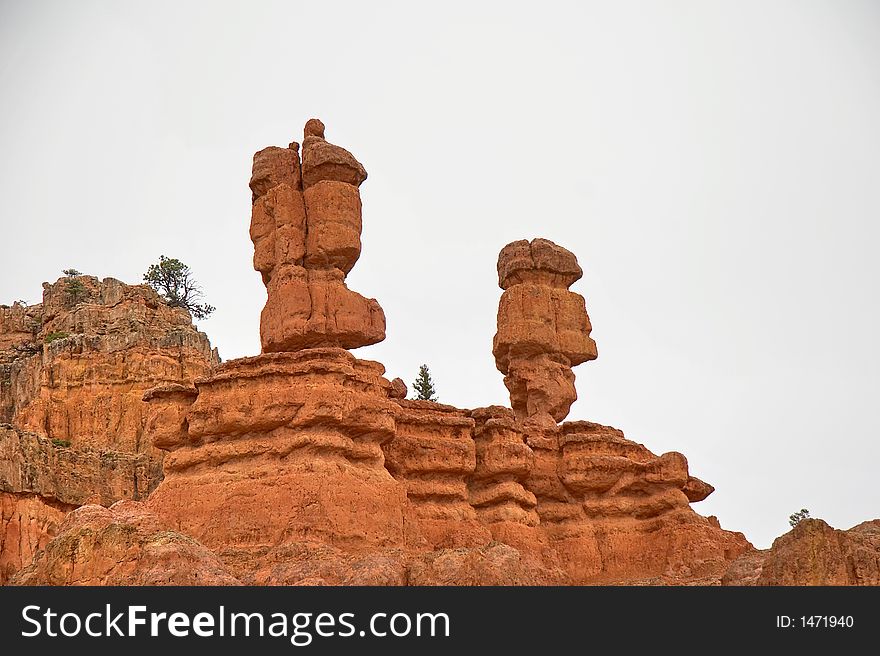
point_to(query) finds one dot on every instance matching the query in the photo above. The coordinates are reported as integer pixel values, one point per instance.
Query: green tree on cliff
(424, 386)
(798, 517)
(175, 283)
(74, 287)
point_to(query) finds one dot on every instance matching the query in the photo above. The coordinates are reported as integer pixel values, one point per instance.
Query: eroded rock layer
(297, 431)
(93, 349)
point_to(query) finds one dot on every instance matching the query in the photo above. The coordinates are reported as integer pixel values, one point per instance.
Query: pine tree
(424, 386)
(175, 283)
(798, 517)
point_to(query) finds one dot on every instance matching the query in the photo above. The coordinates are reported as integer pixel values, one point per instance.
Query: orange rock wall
(96, 356)
(73, 371)
(27, 524)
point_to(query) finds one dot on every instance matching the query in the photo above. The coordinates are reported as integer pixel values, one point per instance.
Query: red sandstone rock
(96, 358)
(539, 261)
(314, 128)
(122, 545)
(274, 166)
(19, 325)
(398, 389)
(278, 229)
(27, 523)
(32, 464)
(324, 161)
(541, 388)
(72, 373)
(311, 308)
(614, 512)
(543, 329)
(334, 239)
(746, 569)
(304, 245)
(433, 454)
(495, 564)
(813, 553)
(167, 418)
(300, 432)
(503, 462)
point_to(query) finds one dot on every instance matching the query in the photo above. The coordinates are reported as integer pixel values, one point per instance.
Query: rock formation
(306, 229)
(304, 465)
(433, 454)
(813, 553)
(122, 545)
(73, 370)
(543, 330)
(91, 350)
(300, 431)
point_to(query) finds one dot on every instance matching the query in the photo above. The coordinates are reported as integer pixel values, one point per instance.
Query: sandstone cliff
(73, 370)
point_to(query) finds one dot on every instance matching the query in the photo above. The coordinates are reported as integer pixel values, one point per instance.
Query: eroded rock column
(306, 229)
(543, 330)
(274, 452)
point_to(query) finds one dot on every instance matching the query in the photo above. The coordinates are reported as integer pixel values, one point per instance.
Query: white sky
(715, 166)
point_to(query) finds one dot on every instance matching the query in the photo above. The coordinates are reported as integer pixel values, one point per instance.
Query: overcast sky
(715, 166)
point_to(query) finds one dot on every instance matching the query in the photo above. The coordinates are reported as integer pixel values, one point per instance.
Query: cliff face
(93, 349)
(27, 524)
(73, 370)
(304, 465)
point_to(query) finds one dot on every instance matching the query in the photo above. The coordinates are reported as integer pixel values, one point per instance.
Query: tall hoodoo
(306, 229)
(301, 426)
(543, 330)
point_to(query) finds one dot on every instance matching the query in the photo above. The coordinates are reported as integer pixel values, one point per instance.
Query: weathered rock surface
(433, 454)
(813, 553)
(33, 464)
(91, 358)
(312, 308)
(296, 431)
(27, 523)
(122, 545)
(543, 329)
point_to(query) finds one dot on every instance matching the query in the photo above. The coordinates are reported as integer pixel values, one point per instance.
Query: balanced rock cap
(322, 160)
(537, 261)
